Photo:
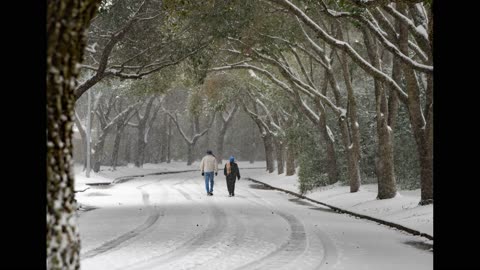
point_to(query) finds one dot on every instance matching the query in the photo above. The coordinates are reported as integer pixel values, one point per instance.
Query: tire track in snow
(116, 242)
(175, 217)
(211, 250)
(330, 256)
(215, 230)
(298, 252)
(288, 251)
(328, 247)
(184, 194)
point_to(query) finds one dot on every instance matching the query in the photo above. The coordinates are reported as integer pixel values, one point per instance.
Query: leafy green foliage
(311, 157)
(157, 83)
(196, 102)
(221, 90)
(407, 166)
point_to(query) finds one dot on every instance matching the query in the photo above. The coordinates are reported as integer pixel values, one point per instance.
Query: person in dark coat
(231, 171)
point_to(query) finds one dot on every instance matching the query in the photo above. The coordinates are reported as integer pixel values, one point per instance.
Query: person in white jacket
(208, 166)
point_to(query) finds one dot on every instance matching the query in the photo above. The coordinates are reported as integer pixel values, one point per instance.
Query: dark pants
(231, 185)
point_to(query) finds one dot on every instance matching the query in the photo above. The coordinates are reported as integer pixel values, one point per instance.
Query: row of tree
(134, 123)
(319, 57)
(312, 55)
(332, 86)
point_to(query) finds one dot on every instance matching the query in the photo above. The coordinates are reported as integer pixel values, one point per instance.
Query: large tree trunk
(279, 150)
(269, 155)
(128, 147)
(385, 161)
(393, 96)
(352, 161)
(66, 24)
(190, 157)
(140, 151)
(426, 160)
(143, 123)
(220, 142)
(195, 129)
(160, 154)
(158, 144)
(253, 148)
(423, 137)
(385, 171)
(165, 139)
(355, 176)
(290, 160)
(353, 147)
(169, 140)
(83, 135)
(422, 125)
(116, 146)
(350, 153)
(332, 168)
(98, 155)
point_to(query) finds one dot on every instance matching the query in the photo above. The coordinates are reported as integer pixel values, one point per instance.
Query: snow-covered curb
(381, 221)
(122, 179)
(124, 173)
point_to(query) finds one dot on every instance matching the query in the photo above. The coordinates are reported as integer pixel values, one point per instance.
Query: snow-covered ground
(107, 175)
(403, 209)
(167, 222)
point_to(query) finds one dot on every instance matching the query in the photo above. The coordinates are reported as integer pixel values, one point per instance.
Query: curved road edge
(125, 178)
(343, 211)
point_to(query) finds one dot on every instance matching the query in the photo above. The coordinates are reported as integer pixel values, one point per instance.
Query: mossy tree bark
(67, 21)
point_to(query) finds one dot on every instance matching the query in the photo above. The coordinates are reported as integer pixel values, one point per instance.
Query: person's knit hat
(232, 158)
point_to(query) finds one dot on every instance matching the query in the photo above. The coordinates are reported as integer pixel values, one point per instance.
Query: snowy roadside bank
(107, 176)
(402, 210)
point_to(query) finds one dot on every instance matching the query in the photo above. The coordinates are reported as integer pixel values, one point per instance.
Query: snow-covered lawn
(403, 209)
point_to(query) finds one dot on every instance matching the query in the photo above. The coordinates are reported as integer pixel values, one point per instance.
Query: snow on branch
(80, 127)
(174, 119)
(365, 65)
(231, 114)
(198, 135)
(269, 75)
(381, 35)
(302, 67)
(330, 134)
(257, 119)
(299, 83)
(312, 115)
(375, 3)
(419, 33)
(117, 118)
(268, 114)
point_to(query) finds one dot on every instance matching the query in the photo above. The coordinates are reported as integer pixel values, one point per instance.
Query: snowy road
(168, 222)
